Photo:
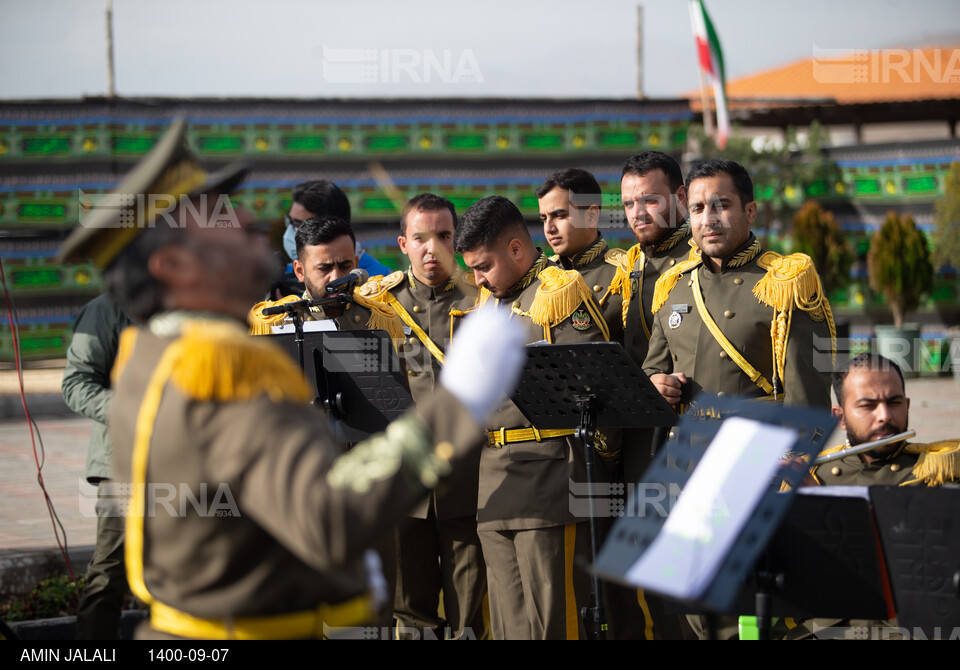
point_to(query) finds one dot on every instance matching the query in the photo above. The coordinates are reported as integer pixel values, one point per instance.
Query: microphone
(356, 277)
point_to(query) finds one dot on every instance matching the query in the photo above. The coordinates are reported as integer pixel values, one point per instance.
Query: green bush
(56, 595)
(817, 234)
(899, 265)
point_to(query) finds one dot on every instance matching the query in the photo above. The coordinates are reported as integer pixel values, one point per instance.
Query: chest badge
(580, 319)
(675, 320)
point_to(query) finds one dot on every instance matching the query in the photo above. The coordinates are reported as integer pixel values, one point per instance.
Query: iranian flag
(711, 64)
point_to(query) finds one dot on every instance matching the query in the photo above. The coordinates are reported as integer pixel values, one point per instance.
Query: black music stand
(588, 386)
(632, 535)
(823, 561)
(357, 377)
(920, 531)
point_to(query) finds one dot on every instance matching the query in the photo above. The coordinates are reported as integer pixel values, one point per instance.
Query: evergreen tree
(899, 265)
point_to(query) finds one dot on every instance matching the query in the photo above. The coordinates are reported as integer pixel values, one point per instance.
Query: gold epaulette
(668, 280)
(617, 258)
(220, 362)
(483, 296)
(376, 286)
(374, 294)
(938, 462)
(559, 295)
(792, 282)
(262, 325)
(469, 277)
(555, 258)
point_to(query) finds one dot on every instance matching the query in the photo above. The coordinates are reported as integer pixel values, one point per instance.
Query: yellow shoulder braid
(792, 282)
(222, 363)
(668, 280)
(559, 295)
(938, 462)
(262, 325)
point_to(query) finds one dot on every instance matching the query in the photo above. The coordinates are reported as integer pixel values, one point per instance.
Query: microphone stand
(297, 312)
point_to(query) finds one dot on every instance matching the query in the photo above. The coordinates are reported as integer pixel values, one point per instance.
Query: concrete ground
(27, 536)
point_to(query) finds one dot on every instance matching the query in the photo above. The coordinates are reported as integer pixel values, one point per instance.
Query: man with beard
(245, 521)
(732, 319)
(871, 405)
(654, 202)
(326, 251)
(529, 536)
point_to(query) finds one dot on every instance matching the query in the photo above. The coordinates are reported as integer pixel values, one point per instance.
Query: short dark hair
(426, 202)
(322, 230)
(577, 181)
(866, 361)
(322, 198)
(128, 280)
(485, 222)
(714, 166)
(648, 161)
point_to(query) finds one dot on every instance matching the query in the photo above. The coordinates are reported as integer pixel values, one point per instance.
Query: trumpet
(866, 446)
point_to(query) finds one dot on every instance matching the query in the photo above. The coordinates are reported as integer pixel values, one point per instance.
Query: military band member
(654, 203)
(528, 533)
(437, 548)
(570, 203)
(266, 532)
(326, 251)
(734, 319)
(872, 404)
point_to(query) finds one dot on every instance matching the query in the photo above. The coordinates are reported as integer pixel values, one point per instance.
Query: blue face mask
(290, 242)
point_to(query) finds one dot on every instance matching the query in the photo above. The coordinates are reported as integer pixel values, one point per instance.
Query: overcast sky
(377, 48)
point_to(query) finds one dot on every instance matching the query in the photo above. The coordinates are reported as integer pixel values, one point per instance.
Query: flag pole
(705, 104)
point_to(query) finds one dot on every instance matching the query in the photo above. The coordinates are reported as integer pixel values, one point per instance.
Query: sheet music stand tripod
(588, 386)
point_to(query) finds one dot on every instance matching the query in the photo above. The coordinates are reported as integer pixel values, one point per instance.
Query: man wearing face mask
(325, 252)
(320, 198)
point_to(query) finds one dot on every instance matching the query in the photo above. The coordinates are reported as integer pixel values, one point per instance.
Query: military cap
(153, 188)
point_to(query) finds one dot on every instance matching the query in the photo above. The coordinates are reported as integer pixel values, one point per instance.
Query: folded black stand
(920, 531)
(586, 387)
(673, 467)
(357, 378)
(824, 561)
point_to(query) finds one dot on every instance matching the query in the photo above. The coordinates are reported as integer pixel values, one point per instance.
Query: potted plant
(899, 267)
(946, 247)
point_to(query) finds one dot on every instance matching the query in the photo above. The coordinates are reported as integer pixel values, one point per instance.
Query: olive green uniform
(529, 534)
(437, 548)
(896, 469)
(632, 612)
(598, 264)
(680, 341)
(277, 547)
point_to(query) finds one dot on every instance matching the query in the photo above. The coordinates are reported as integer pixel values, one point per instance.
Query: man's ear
(175, 265)
(298, 270)
(751, 210)
(593, 216)
(402, 241)
(515, 246)
(837, 413)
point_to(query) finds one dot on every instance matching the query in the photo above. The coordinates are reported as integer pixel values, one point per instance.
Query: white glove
(484, 361)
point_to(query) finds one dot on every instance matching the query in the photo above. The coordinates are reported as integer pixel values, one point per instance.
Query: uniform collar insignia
(745, 255)
(681, 232)
(527, 279)
(587, 256)
(448, 286)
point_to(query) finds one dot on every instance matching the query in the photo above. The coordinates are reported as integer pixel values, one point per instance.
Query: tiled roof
(857, 77)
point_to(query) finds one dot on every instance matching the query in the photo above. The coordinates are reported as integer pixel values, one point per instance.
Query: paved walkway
(25, 521)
